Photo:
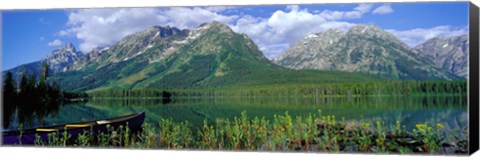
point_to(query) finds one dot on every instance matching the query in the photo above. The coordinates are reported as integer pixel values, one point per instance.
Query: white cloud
(41, 38)
(192, 17)
(271, 51)
(55, 42)
(102, 27)
(291, 7)
(220, 8)
(384, 9)
(275, 34)
(417, 36)
(65, 32)
(356, 13)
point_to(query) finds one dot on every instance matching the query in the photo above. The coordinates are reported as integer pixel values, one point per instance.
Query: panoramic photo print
(318, 78)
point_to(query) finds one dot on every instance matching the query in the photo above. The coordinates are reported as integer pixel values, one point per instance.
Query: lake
(450, 111)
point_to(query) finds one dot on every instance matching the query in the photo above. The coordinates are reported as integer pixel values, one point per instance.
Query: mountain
(211, 55)
(363, 48)
(450, 54)
(57, 61)
(62, 57)
(154, 38)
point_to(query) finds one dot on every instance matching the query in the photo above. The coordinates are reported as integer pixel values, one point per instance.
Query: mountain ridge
(57, 60)
(363, 48)
(449, 53)
(209, 56)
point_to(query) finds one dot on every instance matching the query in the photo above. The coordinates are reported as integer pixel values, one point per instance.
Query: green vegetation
(32, 97)
(448, 110)
(311, 133)
(135, 93)
(354, 89)
(220, 64)
(232, 61)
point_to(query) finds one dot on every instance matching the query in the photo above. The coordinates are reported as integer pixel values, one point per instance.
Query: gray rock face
(62, 57)
(450, 54)
(57, 60)
(363, 48)
(155, 38)
(209, 55)
(304, 54)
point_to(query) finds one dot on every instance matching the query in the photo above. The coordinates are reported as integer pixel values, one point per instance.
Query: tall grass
(311, 133)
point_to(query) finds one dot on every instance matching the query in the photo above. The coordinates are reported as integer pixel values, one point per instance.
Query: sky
(29, 35)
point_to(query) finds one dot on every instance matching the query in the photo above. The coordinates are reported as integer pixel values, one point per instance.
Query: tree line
(29, 96)
(353, 89)
(389, 88)
(130, 93)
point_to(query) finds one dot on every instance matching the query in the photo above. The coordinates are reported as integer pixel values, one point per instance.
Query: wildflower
(439, 125)
(421, 126)
(366, 125)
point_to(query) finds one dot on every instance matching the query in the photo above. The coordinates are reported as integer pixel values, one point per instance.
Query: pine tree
(42, 85)
(23, 87)
(9, 88)
(9, 98)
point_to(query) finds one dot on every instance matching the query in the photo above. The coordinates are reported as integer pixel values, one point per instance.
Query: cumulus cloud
(273, 34)
(359, 11)
(417, 36)
(384, 9)
(192, 17)
(273, 50)
(102, 27)
(55, 42)
(277, 33)
(356, 13)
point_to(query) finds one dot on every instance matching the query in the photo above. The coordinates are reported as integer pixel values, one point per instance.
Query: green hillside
(218, 57)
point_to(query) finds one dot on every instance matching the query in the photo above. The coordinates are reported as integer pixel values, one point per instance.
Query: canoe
(134, 121)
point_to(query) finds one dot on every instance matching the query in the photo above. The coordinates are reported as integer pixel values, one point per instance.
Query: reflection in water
(30, 115)
(451, 111)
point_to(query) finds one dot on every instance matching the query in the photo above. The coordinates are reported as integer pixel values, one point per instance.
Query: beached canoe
(27, 137)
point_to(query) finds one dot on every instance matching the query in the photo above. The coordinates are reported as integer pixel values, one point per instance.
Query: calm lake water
(451, 111)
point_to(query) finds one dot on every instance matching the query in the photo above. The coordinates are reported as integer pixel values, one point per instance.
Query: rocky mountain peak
(62, 57)
(364, 28)
(158, 32)
(326, 34)
(66, 52)
(216, 25)
(374, 32)
(68, 47)
(367, 31)
(450, 54)
(333, 31)
(363, 48)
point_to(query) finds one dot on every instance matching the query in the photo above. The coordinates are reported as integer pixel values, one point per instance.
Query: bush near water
(312, 133)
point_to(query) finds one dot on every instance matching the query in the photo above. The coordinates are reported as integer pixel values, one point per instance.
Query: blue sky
(29, 35)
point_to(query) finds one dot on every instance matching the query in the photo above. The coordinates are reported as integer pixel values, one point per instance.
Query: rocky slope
(450, 54)
(211, 55)
(57, 60)
(363, 48)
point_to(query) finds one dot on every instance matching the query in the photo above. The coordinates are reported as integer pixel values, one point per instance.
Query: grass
(311, 133)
